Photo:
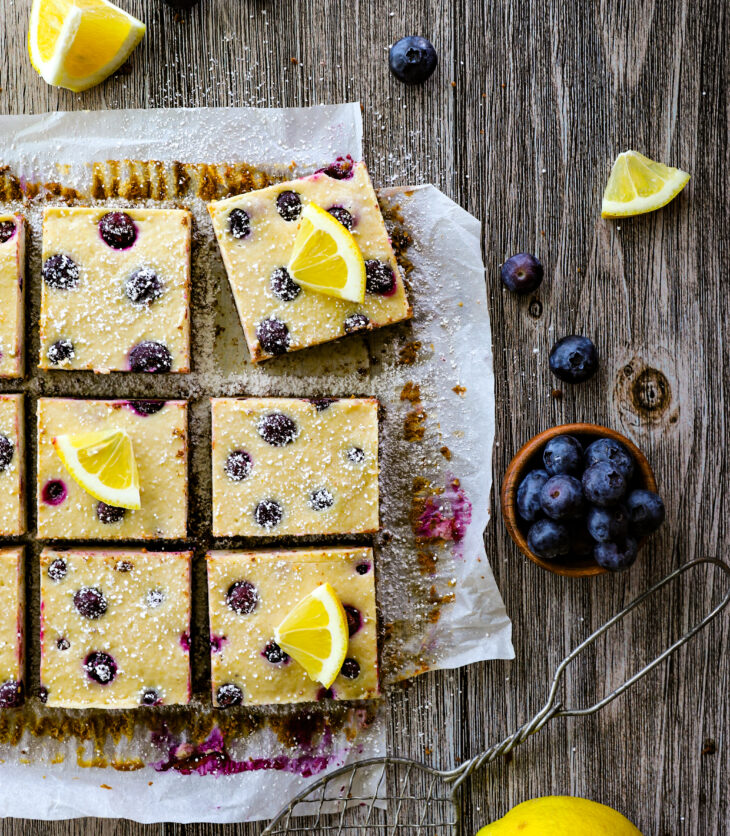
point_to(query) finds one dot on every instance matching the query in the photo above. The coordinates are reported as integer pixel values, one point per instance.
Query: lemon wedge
(315, 634)
(326, 257)
(103, 464)
(78, 43)
(638, 184)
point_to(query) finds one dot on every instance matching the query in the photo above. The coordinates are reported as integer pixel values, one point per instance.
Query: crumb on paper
(459, 390)
(414, 425)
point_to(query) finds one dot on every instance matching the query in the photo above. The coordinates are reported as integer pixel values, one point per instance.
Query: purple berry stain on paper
(445, 516)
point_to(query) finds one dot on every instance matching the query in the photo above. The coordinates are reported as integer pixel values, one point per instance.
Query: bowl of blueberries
(580, 499)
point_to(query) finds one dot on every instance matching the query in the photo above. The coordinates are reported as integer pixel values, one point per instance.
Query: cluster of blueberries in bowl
(587, 503)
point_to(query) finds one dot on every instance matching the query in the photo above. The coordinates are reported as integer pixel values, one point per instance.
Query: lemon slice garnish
(78, 43)
(638, 184)
(315, 634)
(326, 257)
(103, 464)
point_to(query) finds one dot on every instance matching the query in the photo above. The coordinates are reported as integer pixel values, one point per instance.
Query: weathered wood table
(530, 103)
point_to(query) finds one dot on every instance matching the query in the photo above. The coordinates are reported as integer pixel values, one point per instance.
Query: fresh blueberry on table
(612, 451)
(528, 495)
(607, 524)
(561, 497)
(412, 59)
(574, 359)
(646, 512)
(522, 273)
(549, 539)
(603, 484)
(563, 454)
(616, 556)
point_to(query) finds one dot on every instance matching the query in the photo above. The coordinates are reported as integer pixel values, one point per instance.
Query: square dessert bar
(250, 593)
(116, 288)
(158, 430)
(256, 233)
(115, 628)
(12, 601)
(294, 466)
(12, 282)
(12, 466)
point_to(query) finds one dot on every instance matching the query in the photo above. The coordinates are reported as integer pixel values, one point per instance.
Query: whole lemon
(561, 815)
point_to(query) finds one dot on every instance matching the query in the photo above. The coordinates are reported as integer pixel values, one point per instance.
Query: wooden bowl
(528, 458)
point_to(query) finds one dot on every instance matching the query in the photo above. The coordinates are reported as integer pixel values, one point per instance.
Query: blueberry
(274, 654)
(356, 455)
(90, 602)
(609, 450)
(321, 499)
(354, 619)
(379, 278)
(339, 213)
(289, 205)
(528, 495)
(150, 697)
(7, 230)
(238, 466)
(362, 568)
(118, 230)
(616, 556)
(58, 569)
(149, 356)
(563, 454)
(607, 524)
(320, 404)
(143, 287)
(325, 694)
(356, 322)
(278, 429)
(11, 694)
(646, 511)
(283, 286)
(146, 408)
(581, 542)
(100, 667)
(154, 598)
(63, 643)
(341, 169)
(412, 59)
(522, 273)
(574, 359)
(268, 513)
(239, 223)
(350, 668)
(7, 451)
(273, 336)
(561, 497)
(548, 539)
(60, 351)
(54, 492)
(109, 514)
(242, 597)
(228, 695)
(603, 484)
(61, 272)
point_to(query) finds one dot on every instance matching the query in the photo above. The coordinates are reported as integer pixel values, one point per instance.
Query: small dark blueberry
(239, 223)
(350, 669)
(11, 694)
(61, 272)
(616, 556)
(100, 667)
(341, 169)
(289, 205)
(43, 694)
(273, 336)
(574, 359)
(561, 497)
(412, 59)
(325, 694)
(58, 570)
(320, 404)
(283, 286)
(151, 357)
(278, 429)
(60, 351)
(146, 408)
(609, 450)
(321, 499)
(217, 642)
(154, 598)
(238, 465)
(379, 278)
(7, 230)
(274, 654)
(603, 484)
(354, 619)
(143, 287)
(268, 513)
(7, 451)
(646, 511)
(54, 492)
(362, 568)
(109, 514)
(356, 455)
(228, 695)
(339, 213)
(356, 322)
(548, 539)
(563, 454)
(63, 644)
(242, 597)
(522, 273)
(123, 566)
(607, 524)
(150, 697)
(90, 602)
(528, 495)
(118, 230)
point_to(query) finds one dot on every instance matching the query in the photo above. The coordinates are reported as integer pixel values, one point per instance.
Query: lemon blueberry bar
(256, 233)
(12, 281)
(94, 454)
(115, 628)
(116, 287)
(12, 466)
(12, 600)
(294, 466)
(251, 594)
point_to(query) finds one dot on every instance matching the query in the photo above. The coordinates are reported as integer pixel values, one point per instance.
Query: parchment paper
(439, 605)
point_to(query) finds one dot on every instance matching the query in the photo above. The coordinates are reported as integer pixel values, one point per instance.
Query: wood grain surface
(530, 103)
